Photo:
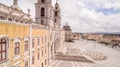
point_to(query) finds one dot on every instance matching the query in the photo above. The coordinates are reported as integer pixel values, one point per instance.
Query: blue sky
(108, 11)
(83, 15)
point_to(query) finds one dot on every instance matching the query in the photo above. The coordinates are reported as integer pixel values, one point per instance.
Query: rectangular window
(2, 17)
(45, 62)
(45, 50)
(46, 39)
(38, 41)
(42, 40)
(9, 19)
(33, 43)
(17, 48)
(26, 64)
(38, 56)
(26, 45)
(33, 60)
(42, 53)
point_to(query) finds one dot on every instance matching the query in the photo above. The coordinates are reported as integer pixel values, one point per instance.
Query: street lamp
(94, 45)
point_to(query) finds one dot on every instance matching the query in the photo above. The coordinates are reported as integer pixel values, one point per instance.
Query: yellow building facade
(24, 43)
(16, 32)
(13, 33)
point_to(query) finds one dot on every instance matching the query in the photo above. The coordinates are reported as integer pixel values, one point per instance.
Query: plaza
(111, 60)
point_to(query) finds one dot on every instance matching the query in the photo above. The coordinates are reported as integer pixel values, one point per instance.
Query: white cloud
(84, 19)
(113, 5)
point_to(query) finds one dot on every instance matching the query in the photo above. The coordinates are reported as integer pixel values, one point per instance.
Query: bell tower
(57, 15)
(42, 12)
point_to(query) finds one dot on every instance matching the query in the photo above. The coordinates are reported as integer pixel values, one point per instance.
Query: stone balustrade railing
(8, 10)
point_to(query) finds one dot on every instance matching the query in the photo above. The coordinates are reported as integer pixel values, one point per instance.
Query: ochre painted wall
(13, 30)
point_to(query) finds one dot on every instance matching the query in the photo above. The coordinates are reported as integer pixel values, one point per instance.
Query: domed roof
(67, 27)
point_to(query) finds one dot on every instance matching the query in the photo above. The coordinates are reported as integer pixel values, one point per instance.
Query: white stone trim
(26, 53)
(26, 58)
(16, 40)
(17, 64)
(7, 45)
(17, 57)
(26, 38)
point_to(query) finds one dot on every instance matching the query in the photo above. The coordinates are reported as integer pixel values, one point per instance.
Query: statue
(15, 2)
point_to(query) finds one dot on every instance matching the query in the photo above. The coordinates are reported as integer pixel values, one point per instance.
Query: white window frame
(26, 52)
(16, 40)
(7, 46)
(25, 60)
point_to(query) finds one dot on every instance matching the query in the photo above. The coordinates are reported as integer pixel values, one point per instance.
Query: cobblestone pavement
(113, 55)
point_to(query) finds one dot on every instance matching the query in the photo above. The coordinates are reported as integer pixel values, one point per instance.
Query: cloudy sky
(83, 15)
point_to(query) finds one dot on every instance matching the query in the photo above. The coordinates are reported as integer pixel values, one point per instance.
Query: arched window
(42, 1)
(56, 13)
(3, 49)
(42, 12)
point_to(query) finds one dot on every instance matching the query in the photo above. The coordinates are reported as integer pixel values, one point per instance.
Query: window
(38, 41)
(9, 19)
(42, 22)
(51, 37)
(38, 56)
(45, 50)
(26, 22)
(42, 65)
(42, 1)
(3, 49)
(2, 17)
(17, 48)
(42, 12)
(26, 45)
(21, 21)
(33, 43)
(33, 60)
(55, 20)
(16, 20)
(46, 39)
(55, 13)
(42, 40)
(55, 7)
(45, 62)
(26, 64)
(42, 53)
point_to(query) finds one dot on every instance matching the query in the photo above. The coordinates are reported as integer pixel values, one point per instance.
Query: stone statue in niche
(15, 2)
